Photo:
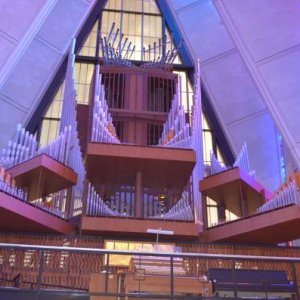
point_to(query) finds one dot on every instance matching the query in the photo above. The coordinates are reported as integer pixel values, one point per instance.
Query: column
(138, 195)
(221, 212)
(204, 211)
(243, 202)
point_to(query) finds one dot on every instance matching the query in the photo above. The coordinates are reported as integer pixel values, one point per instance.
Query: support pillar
(69, 204)
(243, 202)
(85, 197)
(221, 212)
(138, 195)
(36, 190)
(204, 211)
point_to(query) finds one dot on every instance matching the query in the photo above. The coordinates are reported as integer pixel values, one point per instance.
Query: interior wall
(34, 38)
(248, 56)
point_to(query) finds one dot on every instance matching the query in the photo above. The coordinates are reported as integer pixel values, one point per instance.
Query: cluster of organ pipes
(65, 148)
(163, 62)
(115, 50)
(215, 165)
(241, 162)
(22, 147)
(7, 185)
(103, 129)
(181, 211)
(12, 190)
(61, 147)
(68, 120)
(288, 196)
(176, 131)
(118, 50)
(96, 206)
(52, 210)
(197, 145)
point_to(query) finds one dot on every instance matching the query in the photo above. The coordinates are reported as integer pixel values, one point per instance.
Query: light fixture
(48, 199)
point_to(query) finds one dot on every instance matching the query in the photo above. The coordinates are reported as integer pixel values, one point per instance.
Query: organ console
(152, 275)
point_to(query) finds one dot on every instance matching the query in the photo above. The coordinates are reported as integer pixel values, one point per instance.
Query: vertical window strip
(89, 46)
(83, 78)
(144, 31)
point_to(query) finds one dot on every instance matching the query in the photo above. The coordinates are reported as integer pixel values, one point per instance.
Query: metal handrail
(148, 253)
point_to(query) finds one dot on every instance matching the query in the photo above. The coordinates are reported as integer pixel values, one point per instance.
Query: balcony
(43, 175)
(160, 167)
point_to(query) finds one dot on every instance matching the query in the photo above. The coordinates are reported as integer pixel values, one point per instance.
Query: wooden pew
(251, 280)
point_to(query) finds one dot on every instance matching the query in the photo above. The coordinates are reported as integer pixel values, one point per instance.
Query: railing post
(172, 278)
(69, 204)
(234, 279)
(40, 273)
(295, 279)
(265, 280)
(85, 197)
(106, 273)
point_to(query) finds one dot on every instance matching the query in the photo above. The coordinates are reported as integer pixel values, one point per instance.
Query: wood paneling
(43, 175)
(129, 227)
(17, 215)
(272, 227)
(231, 187)
(161, 167)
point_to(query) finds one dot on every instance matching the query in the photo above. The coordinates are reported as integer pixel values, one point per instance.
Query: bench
(250, 280)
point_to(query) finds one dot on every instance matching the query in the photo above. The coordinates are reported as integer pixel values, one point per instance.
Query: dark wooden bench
(250, 280)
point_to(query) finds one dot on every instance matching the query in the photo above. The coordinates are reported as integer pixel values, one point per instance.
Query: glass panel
(150, 6)
(49, 131)
(212, 216)
(186, 91)
(83, 77)
(170, 46)
(44, 132)
(230, 216)
(50, 124)
(140, 29)
(124, 260)
(55, 107)
(133, 6)
(220, 156)
(204, 122)
(210, 201)
(89, 46)
(208, 146)
(212, 212)
(113, 4)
